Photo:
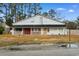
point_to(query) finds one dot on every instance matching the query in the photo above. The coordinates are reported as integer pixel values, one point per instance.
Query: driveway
(40, 50)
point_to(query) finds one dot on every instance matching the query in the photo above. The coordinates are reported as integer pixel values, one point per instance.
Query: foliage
(1, 20)
(45, 14)
(71, 25)
(51, 13)
(9, 21)
(20, 16)
(1, 29)
(77, 21)
(0, 8)
(19, 11)
(34, 9)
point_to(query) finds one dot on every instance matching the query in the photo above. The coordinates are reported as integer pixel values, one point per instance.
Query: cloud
(65, 10)
(71, 10)
(60, 9)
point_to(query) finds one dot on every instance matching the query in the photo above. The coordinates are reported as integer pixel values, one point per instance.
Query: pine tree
(36, 8)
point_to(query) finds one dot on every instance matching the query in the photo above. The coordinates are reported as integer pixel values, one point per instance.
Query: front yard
(8, 39)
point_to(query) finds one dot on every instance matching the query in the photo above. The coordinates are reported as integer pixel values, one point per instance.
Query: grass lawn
(8, 39)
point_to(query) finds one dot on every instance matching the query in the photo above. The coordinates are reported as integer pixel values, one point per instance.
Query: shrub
(1, 29)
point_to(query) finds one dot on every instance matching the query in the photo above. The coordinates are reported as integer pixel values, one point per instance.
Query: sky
(68, 11)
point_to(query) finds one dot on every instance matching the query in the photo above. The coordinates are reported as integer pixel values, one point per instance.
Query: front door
(26, 30)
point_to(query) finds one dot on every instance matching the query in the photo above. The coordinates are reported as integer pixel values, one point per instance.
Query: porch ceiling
(39, 26)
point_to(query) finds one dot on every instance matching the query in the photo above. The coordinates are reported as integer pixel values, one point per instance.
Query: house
(39, 25)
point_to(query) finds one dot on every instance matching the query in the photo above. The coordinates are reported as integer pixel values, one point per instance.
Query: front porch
(31, 31)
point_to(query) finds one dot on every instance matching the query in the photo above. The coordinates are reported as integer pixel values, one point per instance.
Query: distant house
(39, 25)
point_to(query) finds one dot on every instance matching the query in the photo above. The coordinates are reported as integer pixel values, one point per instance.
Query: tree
(6, 9)
(1, 29)
(21, 13)
(29, 10)
(0, 8)
(77, 21)
(1, 20)
(20, 16)
(1, 12)
(52, 13)
(9, 21)
(45, 14)
(15, 10)
(12, 11)
(36, 8)
(70, 25)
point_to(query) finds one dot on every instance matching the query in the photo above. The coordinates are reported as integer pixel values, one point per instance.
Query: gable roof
(38, 20)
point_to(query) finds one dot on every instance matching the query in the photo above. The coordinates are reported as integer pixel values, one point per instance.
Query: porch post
(41, 31)
(12, 31)
(30, 31)
(22, 32)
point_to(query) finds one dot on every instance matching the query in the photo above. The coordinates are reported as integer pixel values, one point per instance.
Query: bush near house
(1, 29)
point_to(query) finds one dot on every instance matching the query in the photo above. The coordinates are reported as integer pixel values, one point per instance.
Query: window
(18, 29)
(36, 29)
(46, 29)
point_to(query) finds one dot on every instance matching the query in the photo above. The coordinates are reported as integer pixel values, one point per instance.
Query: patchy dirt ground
(36, 39)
